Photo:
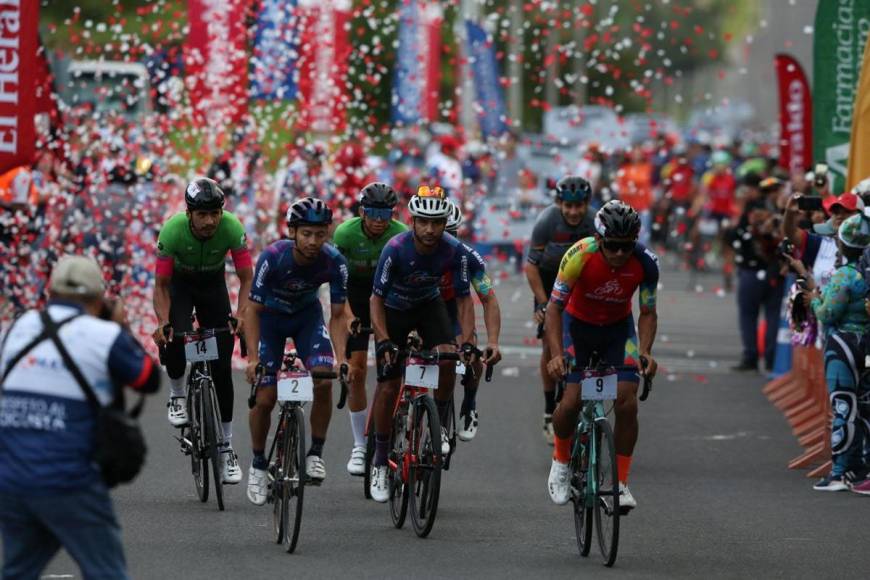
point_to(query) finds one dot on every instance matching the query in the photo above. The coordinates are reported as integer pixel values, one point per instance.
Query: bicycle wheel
(425, 473)
(583, 508)
(607, 504)
(198, 461)
(276, 473)
(293, 484)
(399, 488)
(211, 424)
(370, 453)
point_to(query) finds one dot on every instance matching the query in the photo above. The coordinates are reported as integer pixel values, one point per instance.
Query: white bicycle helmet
(455, 219)
(429, 207)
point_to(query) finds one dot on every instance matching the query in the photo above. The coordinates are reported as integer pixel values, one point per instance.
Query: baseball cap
(848, 201)
(77, 275)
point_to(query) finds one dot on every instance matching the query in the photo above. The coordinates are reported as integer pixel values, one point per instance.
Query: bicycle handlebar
(647, 381)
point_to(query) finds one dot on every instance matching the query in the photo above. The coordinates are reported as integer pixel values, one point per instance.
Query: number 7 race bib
(598, 386)
(421, 375)
(295, 386)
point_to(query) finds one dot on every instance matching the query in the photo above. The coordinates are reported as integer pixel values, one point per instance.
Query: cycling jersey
(678, 180)
(592, 291)
(282, 285)
(552, 236)
(405, 278)
(478, 278)
(362, 252)
(720, 189)
(178, 248)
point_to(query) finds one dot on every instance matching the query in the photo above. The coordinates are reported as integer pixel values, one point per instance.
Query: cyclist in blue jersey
(469, 419)
(405, 297)
(284, 304)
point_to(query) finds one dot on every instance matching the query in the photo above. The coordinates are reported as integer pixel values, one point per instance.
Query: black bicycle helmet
(204, 194)
(617, 219)
(309, 211)
(573, 188)
(377, 194)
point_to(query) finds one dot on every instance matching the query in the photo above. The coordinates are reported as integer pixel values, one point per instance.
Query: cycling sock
(549, 402)
(562, 449)
(623, 466)
(227, 427)
(469, 402)
(177, 387)
(382, 449)
(259, 461)
(358, 426)
(443, 409)
(316, 446)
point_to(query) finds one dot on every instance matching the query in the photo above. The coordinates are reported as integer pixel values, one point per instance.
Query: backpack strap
(51, 328)
(30, 345)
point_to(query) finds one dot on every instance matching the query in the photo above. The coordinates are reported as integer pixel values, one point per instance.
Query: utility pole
(515, 64)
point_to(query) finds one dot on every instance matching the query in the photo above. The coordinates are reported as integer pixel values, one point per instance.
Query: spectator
(840, 307)
(818, 249)
(760, 285)
(51, 491)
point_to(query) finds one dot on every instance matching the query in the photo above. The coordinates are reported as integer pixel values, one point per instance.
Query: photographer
(818, 249)
(52, 492)
(840, 307)
(759, 282)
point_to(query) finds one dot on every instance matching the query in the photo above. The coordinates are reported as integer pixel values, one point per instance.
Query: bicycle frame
(590, 412)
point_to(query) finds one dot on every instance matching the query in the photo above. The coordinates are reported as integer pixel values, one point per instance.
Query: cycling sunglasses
(619, 245)
(378, 213)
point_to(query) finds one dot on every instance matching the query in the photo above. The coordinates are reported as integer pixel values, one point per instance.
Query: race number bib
(421, 375)
(295, 386)
(460, 368)
(200, 347)
(599, 386)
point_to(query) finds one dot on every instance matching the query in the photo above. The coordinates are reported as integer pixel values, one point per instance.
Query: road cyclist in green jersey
(361, 240)
(190, 273)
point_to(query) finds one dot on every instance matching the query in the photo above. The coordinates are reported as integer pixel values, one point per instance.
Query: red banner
(324, 52)
(432, 17)
(795, 115)
(18, 32)
(216, 61)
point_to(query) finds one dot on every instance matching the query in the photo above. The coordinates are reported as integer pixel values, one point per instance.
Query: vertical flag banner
(323, 60)
(18, 43)
(490, 105)
(417, 79)
(216, 61)
(274, 55)
(859, 144)
(407, 81)
(795, 115)
(840, 33)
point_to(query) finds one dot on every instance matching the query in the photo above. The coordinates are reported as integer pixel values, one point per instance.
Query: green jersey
(362, 252)
(178, 249)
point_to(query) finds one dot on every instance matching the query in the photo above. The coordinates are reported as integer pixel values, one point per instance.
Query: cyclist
(406, 297)
(556, 229)
(717, 202)
(284, 304)
(469, 420)
(191, 258)
(360, 240)
(597, 278)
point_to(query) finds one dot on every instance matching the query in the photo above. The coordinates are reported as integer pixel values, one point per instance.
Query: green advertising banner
(841, 31)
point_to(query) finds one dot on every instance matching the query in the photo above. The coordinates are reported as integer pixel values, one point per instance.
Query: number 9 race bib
(598, 386)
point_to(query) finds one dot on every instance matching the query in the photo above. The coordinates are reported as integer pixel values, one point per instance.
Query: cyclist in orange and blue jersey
(597, 278)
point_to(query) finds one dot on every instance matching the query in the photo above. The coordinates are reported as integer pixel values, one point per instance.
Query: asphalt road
(715, 497)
